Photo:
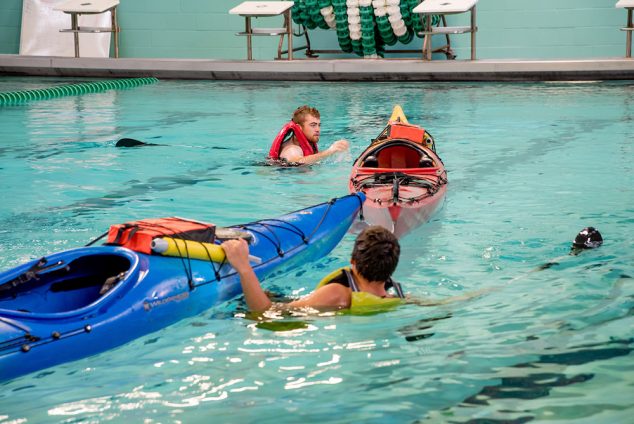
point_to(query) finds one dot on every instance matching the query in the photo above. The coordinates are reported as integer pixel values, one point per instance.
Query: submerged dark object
(131, 142)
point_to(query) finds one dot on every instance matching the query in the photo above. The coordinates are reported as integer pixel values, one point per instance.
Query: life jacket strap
(389, 283)
(351, 283)
(397, 288)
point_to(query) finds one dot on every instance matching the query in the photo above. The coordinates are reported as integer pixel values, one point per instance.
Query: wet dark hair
(375, 253)
(300, 114)
(588, 238)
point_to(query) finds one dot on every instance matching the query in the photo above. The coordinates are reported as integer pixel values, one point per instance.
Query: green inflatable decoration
(364, 27)
(20, 97)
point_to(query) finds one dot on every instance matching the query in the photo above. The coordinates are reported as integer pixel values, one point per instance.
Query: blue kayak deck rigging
(76, 303)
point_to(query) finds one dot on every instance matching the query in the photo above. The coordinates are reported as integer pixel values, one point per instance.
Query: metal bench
(629, 5)
(446, 7)
(91, 7)
(255, 9)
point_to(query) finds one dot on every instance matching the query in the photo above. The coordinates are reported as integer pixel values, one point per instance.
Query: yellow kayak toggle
(168, 246)
(398, 115)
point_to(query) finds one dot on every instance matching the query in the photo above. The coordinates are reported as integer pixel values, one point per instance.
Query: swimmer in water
(374, 258)
(588, 238)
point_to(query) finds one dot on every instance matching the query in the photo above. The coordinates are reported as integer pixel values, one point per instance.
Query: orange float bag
(408, 132)
(138, 235)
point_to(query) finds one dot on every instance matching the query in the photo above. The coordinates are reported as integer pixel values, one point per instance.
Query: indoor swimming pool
(529, 165)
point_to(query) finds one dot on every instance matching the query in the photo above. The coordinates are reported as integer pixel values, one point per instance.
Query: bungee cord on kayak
(399, 179)
(79, 304)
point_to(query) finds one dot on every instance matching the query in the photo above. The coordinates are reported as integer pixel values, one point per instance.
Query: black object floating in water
(588, 238)
(130, 142)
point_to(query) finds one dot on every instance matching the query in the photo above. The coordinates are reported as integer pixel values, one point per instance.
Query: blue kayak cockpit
(67, 283)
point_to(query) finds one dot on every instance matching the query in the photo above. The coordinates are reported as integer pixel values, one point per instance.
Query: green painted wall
(10, 16)
(508, 29)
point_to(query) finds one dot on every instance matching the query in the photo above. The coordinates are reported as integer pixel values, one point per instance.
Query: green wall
(508, 29)
(10, 16)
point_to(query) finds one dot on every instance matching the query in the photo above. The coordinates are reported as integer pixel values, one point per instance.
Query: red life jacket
(308, 148)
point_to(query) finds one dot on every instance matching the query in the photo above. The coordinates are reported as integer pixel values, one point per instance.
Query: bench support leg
(248, 32)
(289, 33)
(289, 30)
(628, 36)
(75, 27)
(473, 33)
(115, 31)
(427, 41)
(449, 54)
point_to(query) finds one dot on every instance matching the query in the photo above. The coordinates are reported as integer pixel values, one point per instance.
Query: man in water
(374, 258)
(308, 120)
(588, 238)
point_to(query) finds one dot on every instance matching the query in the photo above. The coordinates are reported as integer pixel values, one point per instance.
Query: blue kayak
(55, 309)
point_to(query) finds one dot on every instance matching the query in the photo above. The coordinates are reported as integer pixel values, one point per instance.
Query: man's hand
(237, 252)
(339, 146)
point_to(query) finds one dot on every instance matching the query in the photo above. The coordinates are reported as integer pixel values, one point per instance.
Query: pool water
(529, 165)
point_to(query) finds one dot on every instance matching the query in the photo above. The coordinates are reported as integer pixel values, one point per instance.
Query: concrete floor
(324, 69)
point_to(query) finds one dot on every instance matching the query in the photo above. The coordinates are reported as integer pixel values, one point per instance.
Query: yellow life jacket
(363, 303)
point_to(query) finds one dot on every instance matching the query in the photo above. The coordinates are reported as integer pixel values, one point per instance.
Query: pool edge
(323, 70)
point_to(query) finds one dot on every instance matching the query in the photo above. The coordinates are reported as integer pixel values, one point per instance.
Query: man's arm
(337, 146)
(291, 153)
(330, 297)
(237, 252)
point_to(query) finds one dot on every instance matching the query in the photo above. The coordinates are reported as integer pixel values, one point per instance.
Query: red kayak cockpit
(398, 154)
(401, 146)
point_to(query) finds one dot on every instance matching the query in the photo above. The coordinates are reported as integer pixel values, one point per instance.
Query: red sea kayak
(403, 178)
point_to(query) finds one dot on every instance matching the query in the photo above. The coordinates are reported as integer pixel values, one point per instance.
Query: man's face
(311, 128)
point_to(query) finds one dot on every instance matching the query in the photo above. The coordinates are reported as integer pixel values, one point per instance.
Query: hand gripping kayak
(168, 246)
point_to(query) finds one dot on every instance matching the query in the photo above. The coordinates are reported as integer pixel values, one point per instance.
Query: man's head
(588, 238)
(375, 253)
(308, 119)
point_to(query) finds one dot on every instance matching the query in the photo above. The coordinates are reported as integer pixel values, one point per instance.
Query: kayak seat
(370, 162)
(399, 157)
(78, 285)
(66, 288)
(425, 162)
(91, 271)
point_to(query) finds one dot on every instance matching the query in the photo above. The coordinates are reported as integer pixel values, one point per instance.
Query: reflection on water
(419, 331)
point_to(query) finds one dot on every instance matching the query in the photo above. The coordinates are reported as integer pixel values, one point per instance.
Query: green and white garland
(363, 26)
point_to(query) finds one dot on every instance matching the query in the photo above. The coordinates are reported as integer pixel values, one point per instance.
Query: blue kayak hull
(52, 311)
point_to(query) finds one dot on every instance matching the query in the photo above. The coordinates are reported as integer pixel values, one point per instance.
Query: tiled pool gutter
(323, 69)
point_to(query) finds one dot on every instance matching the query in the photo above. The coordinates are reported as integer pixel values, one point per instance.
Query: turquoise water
(529, 166)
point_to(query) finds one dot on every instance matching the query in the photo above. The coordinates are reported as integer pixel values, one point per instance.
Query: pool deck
(324, 69)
